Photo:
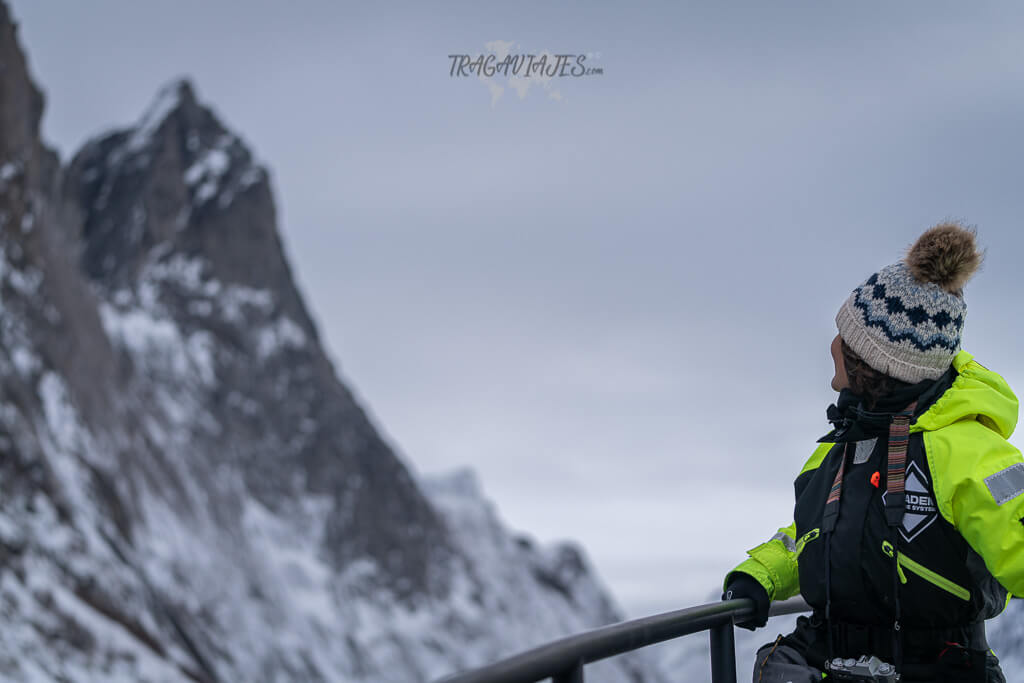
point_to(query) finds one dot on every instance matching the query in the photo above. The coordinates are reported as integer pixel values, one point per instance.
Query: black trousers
(800, 657)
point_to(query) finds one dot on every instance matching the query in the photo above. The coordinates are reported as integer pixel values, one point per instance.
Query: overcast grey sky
(615, 306)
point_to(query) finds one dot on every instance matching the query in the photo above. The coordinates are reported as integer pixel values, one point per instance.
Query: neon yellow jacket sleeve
(979, 489)
(774, 563)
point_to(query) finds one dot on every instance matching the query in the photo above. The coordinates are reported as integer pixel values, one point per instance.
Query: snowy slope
(187, 490)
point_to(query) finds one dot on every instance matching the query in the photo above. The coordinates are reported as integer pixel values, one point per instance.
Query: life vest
(959, 549)
(942, 581)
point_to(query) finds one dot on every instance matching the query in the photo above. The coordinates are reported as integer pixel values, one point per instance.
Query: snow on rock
(24, 360)
(158, 341)
(509, 569)
(206, 172)
(281, 334)
(212, 164)
(8, 170)
(168, 99)
(188, 492)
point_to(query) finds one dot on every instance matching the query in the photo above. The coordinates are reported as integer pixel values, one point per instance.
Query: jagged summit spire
(179, 179)
(177, 95)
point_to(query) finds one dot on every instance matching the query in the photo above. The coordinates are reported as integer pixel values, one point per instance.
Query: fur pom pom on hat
(945, 255)
(907, 319)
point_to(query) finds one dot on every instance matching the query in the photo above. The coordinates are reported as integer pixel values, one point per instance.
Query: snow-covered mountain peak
(173, 97)
(188, 491)
(168, 182)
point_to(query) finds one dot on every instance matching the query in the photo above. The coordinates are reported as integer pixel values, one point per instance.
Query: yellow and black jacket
(959, 553)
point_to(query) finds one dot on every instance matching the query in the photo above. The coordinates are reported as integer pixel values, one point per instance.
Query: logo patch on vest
(920, 509)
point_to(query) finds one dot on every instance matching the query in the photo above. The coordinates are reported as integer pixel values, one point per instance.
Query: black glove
(746, 586)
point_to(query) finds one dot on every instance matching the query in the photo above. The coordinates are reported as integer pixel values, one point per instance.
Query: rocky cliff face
(187, 490)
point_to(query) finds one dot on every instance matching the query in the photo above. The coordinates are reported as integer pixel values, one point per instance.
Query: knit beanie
(906, 320)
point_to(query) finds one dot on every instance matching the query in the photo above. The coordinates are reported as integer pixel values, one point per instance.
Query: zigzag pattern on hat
(900, 322)
(906, 321)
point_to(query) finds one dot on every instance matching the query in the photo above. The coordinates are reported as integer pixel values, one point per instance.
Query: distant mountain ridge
(187, 490)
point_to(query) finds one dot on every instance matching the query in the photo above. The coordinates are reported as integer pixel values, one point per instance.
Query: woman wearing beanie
(908, 526)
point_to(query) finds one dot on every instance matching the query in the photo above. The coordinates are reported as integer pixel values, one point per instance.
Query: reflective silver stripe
(864, 451)
(786, 541)
(1006, 484)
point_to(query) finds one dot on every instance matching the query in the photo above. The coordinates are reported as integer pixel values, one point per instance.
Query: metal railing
(562, 660)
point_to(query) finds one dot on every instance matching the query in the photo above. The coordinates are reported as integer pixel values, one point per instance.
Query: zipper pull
(891, 552)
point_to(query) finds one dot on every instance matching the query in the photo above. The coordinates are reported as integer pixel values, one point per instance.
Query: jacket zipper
(930, 576)
(805, 539)
(927, 574)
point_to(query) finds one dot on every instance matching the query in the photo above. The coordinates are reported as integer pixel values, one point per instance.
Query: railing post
(723, 654)
(573, 675)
